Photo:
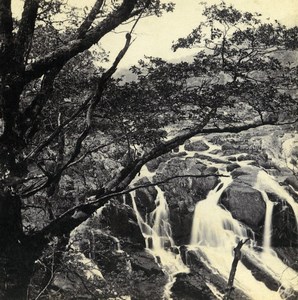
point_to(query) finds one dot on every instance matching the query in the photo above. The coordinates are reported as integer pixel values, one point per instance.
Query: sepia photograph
(148, 150)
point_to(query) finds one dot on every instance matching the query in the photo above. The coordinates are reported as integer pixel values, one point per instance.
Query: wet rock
(232, 158)
(245, 204)
(245, 175)
(153, 165)
(228, 146)
(145, 262)
(179, 154)
(191, 287)
(122, 221)
(209, 158)
(195, 146)
(181, 220)
(289, 256)
(145, 198)
(232, 167)
(268, 165)
(293, 181)
(245, 157)
(284, 228)
(259, 274)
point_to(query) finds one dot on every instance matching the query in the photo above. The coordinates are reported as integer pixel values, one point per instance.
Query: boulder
(245, 204)
(292, 181)
(284, 228)
(121, 220)
(195, 146)
(232, 167)
(181, 220)
(145, 198)
(153, 164)
(191, 287)
(143, 261)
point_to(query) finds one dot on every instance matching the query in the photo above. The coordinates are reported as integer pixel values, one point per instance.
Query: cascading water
(268, 222)
(214, 241)
(215, 234)
(265, 182)
(156, 230)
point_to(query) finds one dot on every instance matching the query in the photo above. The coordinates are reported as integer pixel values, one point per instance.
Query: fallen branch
(237, 257)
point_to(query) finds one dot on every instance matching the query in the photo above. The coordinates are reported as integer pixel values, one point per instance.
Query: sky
(154, 36)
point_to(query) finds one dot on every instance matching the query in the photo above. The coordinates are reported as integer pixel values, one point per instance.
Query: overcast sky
(154, 36)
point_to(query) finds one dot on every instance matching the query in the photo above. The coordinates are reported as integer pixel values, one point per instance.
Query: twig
(51, 278)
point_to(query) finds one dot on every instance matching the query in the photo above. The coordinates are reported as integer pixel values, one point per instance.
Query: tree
(27, 67)
(54, 120)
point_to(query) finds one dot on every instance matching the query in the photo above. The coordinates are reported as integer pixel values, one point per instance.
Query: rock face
(114, 241)
(194, 285)
(245, 204)
(183, 193)
(122, 221)
(284, 228)
(145, 198)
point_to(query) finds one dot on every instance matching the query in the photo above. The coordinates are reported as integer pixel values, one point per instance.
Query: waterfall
(265, 182)
(214, 235)
(268, 222)
(215, 232)
(209, 219)
(157, 232)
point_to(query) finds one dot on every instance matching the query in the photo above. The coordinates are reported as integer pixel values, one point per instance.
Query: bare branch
(93, 103)
(100, 88)
(89, 19)
(31, 115)
(78, 214)
(237, 257)
(54, 134)
(66, 52)
(26, 29)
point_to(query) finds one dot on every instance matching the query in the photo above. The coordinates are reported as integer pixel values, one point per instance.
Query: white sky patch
(154, 36)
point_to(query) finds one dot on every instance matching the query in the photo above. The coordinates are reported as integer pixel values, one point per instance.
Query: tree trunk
(16, 256)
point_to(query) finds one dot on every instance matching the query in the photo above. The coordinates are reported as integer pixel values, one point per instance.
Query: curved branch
(80, 213)
(118, 186)
(29, 118)
(66, 52)
(102, 82)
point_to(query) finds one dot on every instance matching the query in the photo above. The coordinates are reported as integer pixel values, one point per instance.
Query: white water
(215, 233)
(268, 222)
(214, 239)
(157, 233)
(267, 183)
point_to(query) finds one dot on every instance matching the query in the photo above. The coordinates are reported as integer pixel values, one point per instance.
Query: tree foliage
(73, 137)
